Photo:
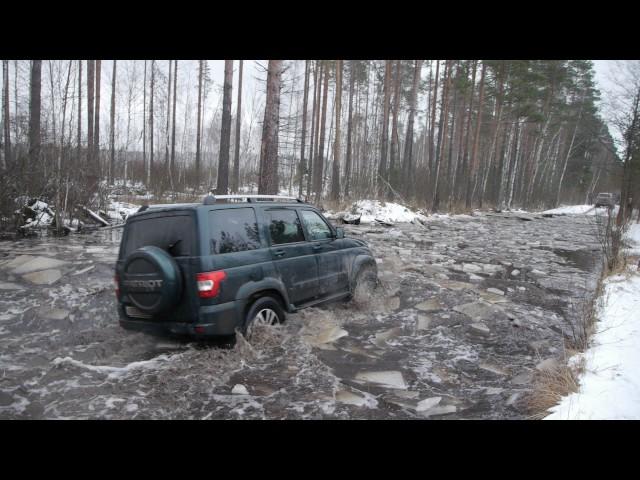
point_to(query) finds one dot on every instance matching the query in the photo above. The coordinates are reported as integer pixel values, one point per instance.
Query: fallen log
(111, 227)
(94, 216)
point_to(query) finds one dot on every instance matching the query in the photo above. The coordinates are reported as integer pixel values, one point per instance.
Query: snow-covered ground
(610, 385)
(371, 210)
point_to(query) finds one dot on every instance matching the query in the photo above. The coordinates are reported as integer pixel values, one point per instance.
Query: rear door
(292, 255)
(176, 233)
(329, 251)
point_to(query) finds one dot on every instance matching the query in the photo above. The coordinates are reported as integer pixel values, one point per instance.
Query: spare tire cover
(152, 280)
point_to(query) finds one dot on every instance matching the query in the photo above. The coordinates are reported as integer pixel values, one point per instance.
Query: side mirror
(339, 232)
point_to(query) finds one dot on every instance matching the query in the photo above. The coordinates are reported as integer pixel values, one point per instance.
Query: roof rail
(255, 198)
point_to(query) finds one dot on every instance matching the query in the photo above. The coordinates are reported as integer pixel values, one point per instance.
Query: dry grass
(551, 385)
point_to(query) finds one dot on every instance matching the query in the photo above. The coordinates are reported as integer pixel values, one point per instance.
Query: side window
(233, 230)
(284, 226)
(316, 226)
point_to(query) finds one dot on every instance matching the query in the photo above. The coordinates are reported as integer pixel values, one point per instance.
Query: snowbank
(580, 210)
(372, 210)
(121, 210)
(633, 239)
(42, 214)
(610, 386)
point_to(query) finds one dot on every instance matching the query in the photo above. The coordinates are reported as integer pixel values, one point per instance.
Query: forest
(439, 135)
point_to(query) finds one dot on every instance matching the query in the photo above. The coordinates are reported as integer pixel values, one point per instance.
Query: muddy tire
(364, 286)
(266, 311)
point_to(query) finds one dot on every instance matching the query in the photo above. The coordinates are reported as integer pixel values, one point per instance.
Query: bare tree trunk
(6, 161)
(566, 160)
(96, 127)
(90, 116)
(315, 123)
(382, 168)
(112, 167)
(408, 149)
(151, 88)
(305, 102)
(393, 158)
(319, 163)
(335, 183)
(347, 173)
(34, 112)
(225, 132)
(474, 151)
(168, 124)
(434, 103)
(235, 179)
(79, 111)
(58, 217)
(442, 134)
(198, 128)
(15, 102)
(172, 170)
(268, 183)
(495, 148)
(144, 122)
(465, 149)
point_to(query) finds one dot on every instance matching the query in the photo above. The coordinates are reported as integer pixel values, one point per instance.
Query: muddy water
(467, 309)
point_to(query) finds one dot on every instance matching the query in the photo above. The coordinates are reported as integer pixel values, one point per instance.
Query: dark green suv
(232, 262)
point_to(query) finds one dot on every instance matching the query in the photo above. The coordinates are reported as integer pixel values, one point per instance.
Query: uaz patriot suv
(232, 262)
(605, 200)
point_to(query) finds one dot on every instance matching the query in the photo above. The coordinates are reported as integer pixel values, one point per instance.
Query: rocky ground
(470, 308)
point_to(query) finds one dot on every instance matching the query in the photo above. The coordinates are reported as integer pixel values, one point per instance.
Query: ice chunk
(480, 328)
(389, 379)
(471, 268)
(495, 290)
(239, 389)
(427, 403)
(430, 305)
(439, 410)
(18, 261)
(44, 277)
(344, 396)
(38, 263)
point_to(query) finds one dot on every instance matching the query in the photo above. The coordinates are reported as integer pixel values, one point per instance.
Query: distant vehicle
(606, 200)
(232, 261)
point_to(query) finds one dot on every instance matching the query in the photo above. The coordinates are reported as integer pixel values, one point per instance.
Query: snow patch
(389, 212)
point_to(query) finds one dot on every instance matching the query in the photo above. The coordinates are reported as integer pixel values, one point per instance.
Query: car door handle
(279, 253)
(316, 247)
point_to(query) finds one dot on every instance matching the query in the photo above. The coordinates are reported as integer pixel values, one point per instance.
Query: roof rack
(166, 205)
(250, 198)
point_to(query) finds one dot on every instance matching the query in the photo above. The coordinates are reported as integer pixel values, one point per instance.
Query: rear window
(233, 230)
(175, 234)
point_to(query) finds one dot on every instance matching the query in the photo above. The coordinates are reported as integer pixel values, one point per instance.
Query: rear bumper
(213, 320)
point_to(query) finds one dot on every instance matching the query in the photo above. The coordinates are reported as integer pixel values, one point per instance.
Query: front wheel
(264, 311)
(364, 286)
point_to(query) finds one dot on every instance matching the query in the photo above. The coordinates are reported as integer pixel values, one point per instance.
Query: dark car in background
(231, 262)
(605, 200)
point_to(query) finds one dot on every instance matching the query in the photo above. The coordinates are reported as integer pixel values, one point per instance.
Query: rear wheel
(265, 311)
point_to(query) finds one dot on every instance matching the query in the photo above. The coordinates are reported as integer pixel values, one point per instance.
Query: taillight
(209, 283)
(117, 282)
